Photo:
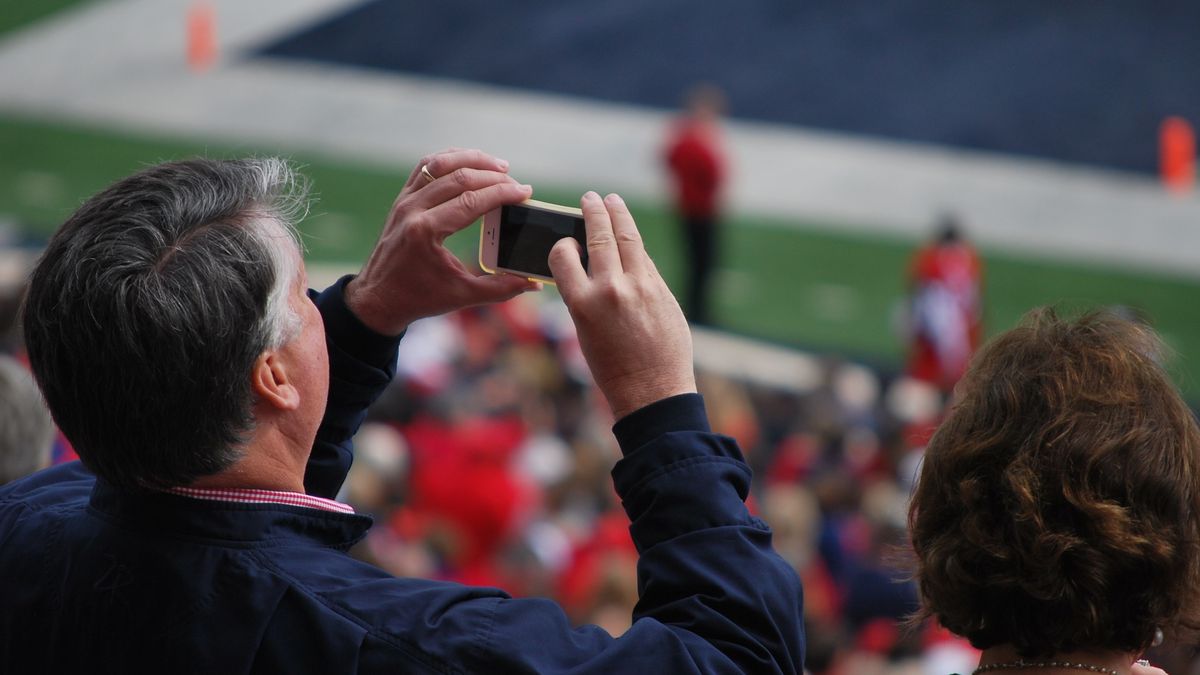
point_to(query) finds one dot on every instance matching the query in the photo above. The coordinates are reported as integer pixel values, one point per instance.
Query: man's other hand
(410, 274)
(631, 329)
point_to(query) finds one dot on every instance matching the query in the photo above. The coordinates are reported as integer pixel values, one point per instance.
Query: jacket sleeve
(714, 595)
(361, 364)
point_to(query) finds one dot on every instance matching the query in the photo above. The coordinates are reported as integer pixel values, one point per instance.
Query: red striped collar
(254, 496)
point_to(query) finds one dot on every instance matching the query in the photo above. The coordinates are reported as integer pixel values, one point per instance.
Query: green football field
(19, 13)
(797, 283)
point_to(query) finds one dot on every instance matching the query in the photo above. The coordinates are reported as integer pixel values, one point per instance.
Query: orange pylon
(201, 36)
(1177, 154)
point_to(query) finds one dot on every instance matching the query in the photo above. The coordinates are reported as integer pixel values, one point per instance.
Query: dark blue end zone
(1075, 80)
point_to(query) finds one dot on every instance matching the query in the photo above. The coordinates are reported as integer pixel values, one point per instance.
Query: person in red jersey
(945, 282)
(695, 158)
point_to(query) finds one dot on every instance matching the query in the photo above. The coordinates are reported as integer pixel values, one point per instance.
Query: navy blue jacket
(93, 579)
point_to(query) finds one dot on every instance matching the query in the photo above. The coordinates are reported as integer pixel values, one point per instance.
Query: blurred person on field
(1056, 519)
(945, 280)
(213, 400)
(696, 161)
(26, 431)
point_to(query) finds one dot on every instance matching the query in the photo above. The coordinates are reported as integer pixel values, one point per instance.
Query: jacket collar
(233, 522)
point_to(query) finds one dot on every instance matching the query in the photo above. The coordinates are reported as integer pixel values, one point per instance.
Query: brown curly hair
(1058, 507)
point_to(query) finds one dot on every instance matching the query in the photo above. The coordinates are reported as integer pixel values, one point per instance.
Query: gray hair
(26, 432)
(286, 194)
(150, 306)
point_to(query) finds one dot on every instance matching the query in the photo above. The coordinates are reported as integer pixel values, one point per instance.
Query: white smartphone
(517, 238)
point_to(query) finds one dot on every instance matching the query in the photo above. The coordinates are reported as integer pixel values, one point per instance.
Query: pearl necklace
(1066, 665)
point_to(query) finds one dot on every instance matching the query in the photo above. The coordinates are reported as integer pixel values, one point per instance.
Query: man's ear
(270, 382)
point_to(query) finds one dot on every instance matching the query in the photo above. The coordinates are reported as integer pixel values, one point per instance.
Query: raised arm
(714, 596)
(409, 275)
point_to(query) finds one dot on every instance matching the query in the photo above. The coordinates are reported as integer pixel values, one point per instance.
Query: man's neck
(270, 461)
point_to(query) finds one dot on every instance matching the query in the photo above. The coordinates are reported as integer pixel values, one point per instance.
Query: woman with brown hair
(1056, 520)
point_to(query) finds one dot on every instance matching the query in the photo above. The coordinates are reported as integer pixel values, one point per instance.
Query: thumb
(567, 266)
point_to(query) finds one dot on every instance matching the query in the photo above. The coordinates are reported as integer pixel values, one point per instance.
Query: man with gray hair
(26, 432)
(212, 400)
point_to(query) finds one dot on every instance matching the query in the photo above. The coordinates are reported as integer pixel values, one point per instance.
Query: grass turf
(19, 13)
(803, 284)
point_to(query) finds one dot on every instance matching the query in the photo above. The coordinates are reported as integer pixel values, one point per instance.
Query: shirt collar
(255, 496)
(161, 513)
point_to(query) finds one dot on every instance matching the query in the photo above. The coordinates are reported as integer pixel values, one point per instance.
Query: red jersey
(946, 312)
(697, 164)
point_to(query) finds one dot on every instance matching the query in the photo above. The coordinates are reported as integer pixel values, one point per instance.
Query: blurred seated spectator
(10, 306)
(26, 431)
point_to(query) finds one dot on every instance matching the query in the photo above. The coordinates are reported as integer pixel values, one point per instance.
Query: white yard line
(120, 64)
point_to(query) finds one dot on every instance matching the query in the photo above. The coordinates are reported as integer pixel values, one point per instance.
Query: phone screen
(527, 234)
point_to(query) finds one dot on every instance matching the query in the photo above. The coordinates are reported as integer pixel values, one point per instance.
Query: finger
(455, 183)
(416, 178)
(603, 257)
(446, 161)
(489, 288)
(566, 265)
(629, 240)
(455, 214)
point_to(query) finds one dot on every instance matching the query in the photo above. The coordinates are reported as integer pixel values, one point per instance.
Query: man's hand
(410, 274)
(631, 329)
